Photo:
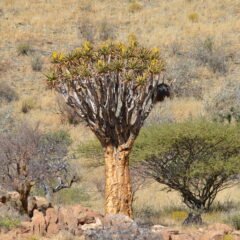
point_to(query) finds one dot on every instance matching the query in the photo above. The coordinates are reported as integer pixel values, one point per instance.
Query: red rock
(182, 236)
(212, 235)
(51, 221)
(38, 223)
(220, 227)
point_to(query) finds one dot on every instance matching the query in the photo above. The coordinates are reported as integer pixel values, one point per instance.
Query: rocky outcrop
(74, 219)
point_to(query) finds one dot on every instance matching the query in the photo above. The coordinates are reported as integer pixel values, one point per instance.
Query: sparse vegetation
(206, 53)
(7, 93)
(225, 104)
(24, 49)
(37, 63)
(28, 104)
(8, 223)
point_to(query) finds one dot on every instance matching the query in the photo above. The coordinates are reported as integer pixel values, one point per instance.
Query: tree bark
(24, 201)
(118, 191)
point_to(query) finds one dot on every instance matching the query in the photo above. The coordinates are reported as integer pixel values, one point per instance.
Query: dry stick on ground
(113, 88)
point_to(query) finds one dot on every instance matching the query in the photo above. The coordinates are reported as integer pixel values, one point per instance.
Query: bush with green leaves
(225, 104)
(197, 159)
(8, 223)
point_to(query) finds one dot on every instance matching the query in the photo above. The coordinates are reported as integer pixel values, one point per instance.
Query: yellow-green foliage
(9, 223)
(193, 17)
(130, 60)
(179, 215)
(228, 237)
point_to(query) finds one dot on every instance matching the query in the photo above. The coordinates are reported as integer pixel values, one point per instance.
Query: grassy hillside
(200, 40)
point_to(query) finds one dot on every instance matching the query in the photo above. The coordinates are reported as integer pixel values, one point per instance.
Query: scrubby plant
(234, 220)
(196, 159)
(135, 6)
(86, 29)
(36, 63)
(28, 104)
(7, 93)
(106, 30)
(185, 77)
(23, 49)
(31, 158)
(9, 223)
(206, 53)
(113, 88)
(174, 48)
(225, 104)
(193, 17)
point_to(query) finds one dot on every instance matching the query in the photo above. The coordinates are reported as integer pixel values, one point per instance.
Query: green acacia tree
(198, 160)
(112, 87)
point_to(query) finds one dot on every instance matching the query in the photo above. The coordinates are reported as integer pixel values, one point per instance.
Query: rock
(38, 223)
(52, 226)
(157, 228)
(39, 203)
(120, 222)
(213, 235)
(182, 236)
(165, 235)
(97, 224)
(226, 229)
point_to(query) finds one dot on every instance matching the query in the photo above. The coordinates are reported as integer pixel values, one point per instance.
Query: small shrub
(174, 48)
(23, 49)
(9, 223)
(7, 93)
(193, 17)
(37, 63)
(184, 74)
(206, 53)
(106, 31)
(135, 6)
(28, 104)
(86, 29)
(225, 104)
(228, 237)
(7, 119)
(235, 221)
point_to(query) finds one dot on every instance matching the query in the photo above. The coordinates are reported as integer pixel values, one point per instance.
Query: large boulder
(74, 219)
(117, 227)
(38, 223)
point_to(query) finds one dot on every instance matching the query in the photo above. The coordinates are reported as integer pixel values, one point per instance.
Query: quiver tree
(30, 158)
(112, 87)
(198, 160)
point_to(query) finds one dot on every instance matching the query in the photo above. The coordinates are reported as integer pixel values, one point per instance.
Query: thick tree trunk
(24, 201)
(118, 192)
